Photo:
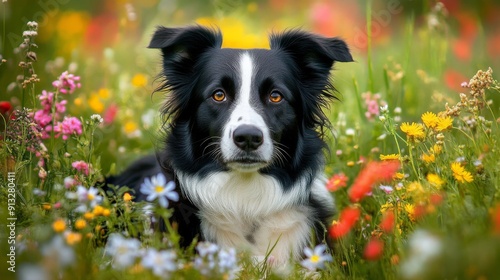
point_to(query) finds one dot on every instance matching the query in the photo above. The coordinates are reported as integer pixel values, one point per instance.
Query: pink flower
(69, 126)
(42, 118)
(81, 166)
(110, 114)
(46, 99)
(67, 83)
(61, 106)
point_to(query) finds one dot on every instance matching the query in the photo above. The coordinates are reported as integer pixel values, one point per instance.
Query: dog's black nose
(248, 137)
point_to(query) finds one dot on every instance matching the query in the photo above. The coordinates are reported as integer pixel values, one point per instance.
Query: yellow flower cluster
(460, 174)
(437, 123)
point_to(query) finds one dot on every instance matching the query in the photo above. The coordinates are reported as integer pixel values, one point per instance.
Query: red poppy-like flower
(373, 172)
(374, 249)
(463, 49)
(348, 217)
(5, 107)
(337, 181)
(387, 223)
(436, 199)
(454, 79)
(496, 220)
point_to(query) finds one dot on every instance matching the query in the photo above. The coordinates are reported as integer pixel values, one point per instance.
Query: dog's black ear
(314, 53)
(312, 56)
(181, 47)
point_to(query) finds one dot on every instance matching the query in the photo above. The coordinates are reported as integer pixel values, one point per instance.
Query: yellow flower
(413, 130)
(88, 215)
(398, 176)
(127, 197)
(444, 123)
(98, 210)
(73, 237)
(410, 209)
(386, 206)
(106, 212)
(350, 163)
(436, 149)
(460, 174)
(435, 180)
(139, 80)
(46, 206)
(80, 224)
(429, 158)
(95, 103)
(130, 126)
(430, 119)
(104, 93)
(59, 225)
(78, 101)
(389, 157)
(415, 187)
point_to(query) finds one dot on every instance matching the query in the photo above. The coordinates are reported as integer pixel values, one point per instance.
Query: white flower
(96, 118)
(424, 246)
(350, 132)
(212, 259)
(228, 261)
(88, 195)
(316, 258)
(158, 187)
(384, 109)
(123, 250)
(382, 118)
(161, 262)
(397, 110)
(58, 250)
(387, 189)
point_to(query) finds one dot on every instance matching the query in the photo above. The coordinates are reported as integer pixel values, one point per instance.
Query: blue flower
(158, 187)
(316, 258)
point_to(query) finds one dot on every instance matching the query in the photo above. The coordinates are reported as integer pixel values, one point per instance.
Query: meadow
(413, 160)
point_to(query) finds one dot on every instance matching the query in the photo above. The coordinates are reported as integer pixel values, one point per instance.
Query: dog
(244, 141)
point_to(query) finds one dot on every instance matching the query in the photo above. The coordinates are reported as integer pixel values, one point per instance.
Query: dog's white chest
(252, 211)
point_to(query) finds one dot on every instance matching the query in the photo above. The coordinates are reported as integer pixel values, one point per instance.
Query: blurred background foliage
(418, 57)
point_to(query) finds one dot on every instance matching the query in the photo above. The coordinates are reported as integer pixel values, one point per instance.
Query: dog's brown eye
(219, 96)
(275, 96)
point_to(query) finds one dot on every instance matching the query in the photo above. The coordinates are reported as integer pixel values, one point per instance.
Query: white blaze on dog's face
(246, 144)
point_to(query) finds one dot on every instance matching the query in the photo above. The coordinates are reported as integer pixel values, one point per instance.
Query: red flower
(373, 172)
(436, 199)
(463, 49)
(110, 114)
(496, 220)
(336, 182)
(454, 79)
(5, 107)
(374, 249)
(387, 223)
(348, 217)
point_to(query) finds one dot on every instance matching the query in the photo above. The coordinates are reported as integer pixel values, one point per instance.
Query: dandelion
(337, 181)
(444, 123)
(374, 249)
(158, 188)
(460, 174)
(413, 130)
(124, 251)
(389, 157)
(435, 180)
(348, 217)
(428, 158)
(436, 149)
(160, 262)
(316, 258)
(59, 225)
(410, 210)
(430, 119)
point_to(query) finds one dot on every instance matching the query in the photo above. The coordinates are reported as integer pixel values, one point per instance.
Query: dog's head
(245, 110)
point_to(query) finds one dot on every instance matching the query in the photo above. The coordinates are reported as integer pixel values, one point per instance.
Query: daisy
(88, 195)
(157, 187)
(316, 257)
(160, 262)
(123, 250)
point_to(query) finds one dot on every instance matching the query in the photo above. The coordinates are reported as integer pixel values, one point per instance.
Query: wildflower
(157, 187)
(5, 107)
(316, 257)
(424, 247)
(110, 114)
(435, 180)
(444, 123)
(160, 262)
(70, 182)
(496, 220)
(428, 158)
(430, 119)
(89, 195)
(410, 210)
(436, 199)
(374, 172)
(337, 181)
(460, 174)
(124, 251)
(436, 149)
(67, 83)
(413, 130)
(374, 249)
(127, 197)
(398, 176)
(58, 251)
(81, 166)
(72, 237)
(211, 257)
(350, 132)
(96, 118)
(80, 224)
(389, 157)
(386, 189)
(70, 126)
(88, 215)
(95, 103)
(139, 80)
(98, 210)
(387, 223)
(59, 225)
(348, 217)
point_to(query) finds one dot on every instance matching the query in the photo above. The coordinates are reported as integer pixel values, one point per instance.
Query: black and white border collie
(245, 139)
